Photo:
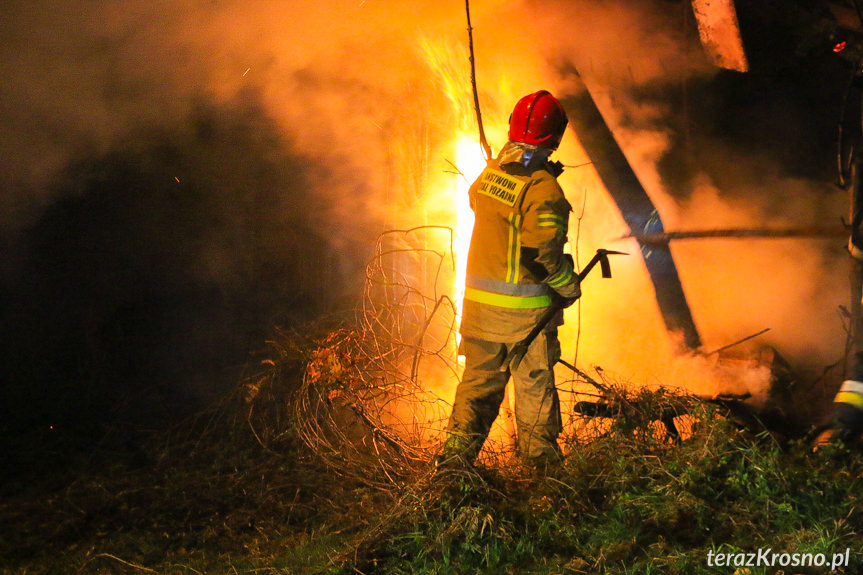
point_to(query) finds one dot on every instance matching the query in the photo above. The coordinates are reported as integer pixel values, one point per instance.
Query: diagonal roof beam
(637, 209)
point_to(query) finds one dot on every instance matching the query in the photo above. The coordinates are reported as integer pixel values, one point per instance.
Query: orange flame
(470, 163)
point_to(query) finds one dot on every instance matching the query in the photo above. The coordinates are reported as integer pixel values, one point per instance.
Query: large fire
(470, 163)
(615, 330)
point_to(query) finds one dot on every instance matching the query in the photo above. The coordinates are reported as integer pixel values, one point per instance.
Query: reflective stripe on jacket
(851, 393)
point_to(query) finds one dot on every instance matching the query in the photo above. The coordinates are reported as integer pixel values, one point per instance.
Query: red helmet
(538, 119)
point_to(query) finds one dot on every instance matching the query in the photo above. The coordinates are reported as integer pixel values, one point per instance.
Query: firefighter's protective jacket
(516, 253)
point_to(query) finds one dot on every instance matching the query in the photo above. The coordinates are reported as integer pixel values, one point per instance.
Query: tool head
(604, 264)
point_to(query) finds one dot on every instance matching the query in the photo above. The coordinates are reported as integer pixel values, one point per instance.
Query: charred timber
(665, 237)
(635, 206)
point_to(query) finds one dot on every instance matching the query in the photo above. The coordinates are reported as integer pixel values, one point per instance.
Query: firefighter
(516, 267)
(846, 421)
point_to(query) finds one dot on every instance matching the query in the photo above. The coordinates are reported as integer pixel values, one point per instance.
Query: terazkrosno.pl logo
(769, 558)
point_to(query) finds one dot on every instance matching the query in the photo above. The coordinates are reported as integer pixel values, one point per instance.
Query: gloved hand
(569, 293)
(568, 301)
(563, 301)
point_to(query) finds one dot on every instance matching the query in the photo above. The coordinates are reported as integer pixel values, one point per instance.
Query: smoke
(175, 179)
(157, 155)
(714, 150)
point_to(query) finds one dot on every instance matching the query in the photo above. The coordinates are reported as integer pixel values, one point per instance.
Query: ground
(239, 489)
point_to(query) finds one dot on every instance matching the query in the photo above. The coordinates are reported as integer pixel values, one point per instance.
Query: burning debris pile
(371, 398)
(649, 471)
(364, 405)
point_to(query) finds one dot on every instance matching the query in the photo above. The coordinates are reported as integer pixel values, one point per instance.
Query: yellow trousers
(481, 391)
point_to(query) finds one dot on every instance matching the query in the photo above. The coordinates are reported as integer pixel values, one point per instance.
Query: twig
(456, 171)
(483, 142)
(252, 426)
(574, 166)
(578, 265)
(124, 562)
(587, 378)
(747, 338)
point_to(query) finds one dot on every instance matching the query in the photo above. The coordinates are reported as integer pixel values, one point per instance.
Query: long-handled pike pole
(516, 354)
